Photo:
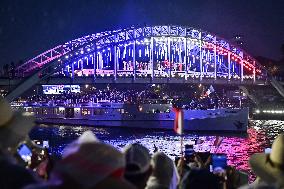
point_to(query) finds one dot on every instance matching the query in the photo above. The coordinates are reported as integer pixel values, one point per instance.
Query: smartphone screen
(45, 144)
(188, 149)
(24, 152)
(267, 150)
(219, 160)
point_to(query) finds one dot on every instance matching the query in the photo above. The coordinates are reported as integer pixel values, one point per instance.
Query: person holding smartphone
(229, 177)
(14, 128)
(193, 159)
(190, 160)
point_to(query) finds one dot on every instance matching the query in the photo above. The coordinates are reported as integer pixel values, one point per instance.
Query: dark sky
(29, 27)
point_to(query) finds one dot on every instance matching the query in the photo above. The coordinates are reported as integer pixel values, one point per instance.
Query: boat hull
(195, 120)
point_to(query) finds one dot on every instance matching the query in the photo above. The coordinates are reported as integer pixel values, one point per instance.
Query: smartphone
(45, 144)
(188, 149)
(267, 150)
(24, 152)
(189, 153)
(219, 161)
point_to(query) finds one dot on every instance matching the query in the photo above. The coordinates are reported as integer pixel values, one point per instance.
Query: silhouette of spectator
(138, 166)
(34, 159)
(12, 70)
(19, 73)
(88, 163)
(164, 175)
(155, 148)
(200, 179)
(14, 128)
(269, 167)
(6, 70)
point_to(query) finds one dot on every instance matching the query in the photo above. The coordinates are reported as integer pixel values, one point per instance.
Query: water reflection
(260, 135)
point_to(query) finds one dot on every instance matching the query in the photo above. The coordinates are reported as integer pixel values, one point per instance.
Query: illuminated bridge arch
(156, 52)
(171, 54)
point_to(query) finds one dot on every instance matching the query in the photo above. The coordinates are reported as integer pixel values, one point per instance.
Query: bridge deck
(92, 80)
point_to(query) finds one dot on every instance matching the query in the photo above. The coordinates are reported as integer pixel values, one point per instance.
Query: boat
(148, 116)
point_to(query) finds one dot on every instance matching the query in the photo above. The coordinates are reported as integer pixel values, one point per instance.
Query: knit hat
(137, 159)
(163, 172)
(86, 137)
(91, 162)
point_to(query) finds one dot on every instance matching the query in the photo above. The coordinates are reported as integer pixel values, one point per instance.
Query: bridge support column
(169, 57)
(115, 62)
(81, 63)
(95, 64)
(134, 60)
(152, 57)
(72, 70)
(215, 61)
(185, 58)
(229, 65)
(200, 57)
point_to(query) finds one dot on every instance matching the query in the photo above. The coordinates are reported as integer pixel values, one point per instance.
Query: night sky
(29, 27)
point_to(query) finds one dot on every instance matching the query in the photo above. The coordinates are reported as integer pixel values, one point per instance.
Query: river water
(238, 148)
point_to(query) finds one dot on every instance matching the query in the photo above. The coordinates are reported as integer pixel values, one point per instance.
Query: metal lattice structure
(150, 51)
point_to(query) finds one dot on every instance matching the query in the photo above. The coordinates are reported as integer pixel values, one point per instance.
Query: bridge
(149, 54)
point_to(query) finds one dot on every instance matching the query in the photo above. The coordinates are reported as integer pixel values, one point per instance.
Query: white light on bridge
(272, 111)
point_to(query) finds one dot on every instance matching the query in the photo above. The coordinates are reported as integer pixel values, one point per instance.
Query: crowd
(136, 96)
(89, 163)
(110, 95)
(9, 70)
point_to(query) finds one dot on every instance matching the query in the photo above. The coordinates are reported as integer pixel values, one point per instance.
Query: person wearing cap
(138, 165)
(269, 168)
(88, 163)
(164, 175)
(14, 128)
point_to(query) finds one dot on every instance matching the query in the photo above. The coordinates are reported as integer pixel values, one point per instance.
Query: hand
(199, 161)
(180, 166)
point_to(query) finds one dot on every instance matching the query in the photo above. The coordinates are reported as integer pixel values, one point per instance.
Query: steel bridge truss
(157, 51)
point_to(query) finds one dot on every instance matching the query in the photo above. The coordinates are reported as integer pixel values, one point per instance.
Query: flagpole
(178, 128)
(182, 159)
(181, 145)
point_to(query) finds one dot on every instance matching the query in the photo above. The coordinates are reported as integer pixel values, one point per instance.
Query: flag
(179, 120)
(212, 90)
(207, 93)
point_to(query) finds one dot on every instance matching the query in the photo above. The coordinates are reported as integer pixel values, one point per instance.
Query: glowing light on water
(238, 148)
